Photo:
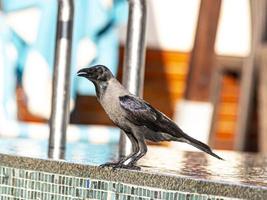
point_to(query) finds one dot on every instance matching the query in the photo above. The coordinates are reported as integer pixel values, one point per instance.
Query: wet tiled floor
(240, 170)
(246, 168)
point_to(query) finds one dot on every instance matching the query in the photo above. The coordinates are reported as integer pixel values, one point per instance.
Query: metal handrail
(61, 80)
(134, 58)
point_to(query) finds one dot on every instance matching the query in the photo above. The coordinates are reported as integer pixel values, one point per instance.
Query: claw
(123, 166)
(133, 167)
(109, 164)
(119, 165)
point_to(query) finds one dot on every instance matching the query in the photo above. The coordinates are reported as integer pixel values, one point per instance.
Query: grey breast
(110, 100)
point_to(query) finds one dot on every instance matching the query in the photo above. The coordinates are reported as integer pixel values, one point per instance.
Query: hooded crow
(137, 118)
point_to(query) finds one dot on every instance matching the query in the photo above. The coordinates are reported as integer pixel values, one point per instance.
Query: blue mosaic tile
(25, 184)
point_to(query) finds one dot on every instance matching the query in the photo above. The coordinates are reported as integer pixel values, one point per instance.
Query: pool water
(80, 152)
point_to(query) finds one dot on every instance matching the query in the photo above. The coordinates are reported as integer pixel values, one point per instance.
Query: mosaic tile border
(149, 177)
(29, 184)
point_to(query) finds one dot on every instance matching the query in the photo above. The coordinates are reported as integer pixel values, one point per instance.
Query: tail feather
(201, 146)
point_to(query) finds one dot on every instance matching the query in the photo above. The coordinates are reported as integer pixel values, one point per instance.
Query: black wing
(142, 114)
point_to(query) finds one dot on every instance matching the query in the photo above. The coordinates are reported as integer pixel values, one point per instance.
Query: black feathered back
(142, 114)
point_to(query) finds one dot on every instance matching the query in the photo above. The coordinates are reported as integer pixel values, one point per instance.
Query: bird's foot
(119, 165)
(126, 166)
(110, 164)
(130, 166)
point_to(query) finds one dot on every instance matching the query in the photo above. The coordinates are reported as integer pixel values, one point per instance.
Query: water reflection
(195, 167)
(247, 169)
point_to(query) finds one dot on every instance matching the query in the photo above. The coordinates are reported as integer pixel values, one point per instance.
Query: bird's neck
(100, 89)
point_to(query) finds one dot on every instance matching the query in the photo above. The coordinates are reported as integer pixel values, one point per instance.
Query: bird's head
(96, 74)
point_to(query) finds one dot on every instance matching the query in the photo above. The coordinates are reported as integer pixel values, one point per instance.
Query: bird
(136, 117)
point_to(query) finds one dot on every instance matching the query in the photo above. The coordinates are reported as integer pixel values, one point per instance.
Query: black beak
(84, 72)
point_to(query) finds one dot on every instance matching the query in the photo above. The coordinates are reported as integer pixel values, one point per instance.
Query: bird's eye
(99, 70)
(102, 77)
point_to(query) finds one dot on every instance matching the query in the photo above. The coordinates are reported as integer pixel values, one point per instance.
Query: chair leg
(262, 105)
(248, 73)
(215, 98)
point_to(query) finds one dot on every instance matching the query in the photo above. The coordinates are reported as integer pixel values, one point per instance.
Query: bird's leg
(120, 163)
(142, 151)
(135, 149)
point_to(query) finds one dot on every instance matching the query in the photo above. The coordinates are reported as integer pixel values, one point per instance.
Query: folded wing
(141, 113)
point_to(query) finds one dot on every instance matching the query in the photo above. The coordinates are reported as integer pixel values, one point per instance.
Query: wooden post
(201, 62)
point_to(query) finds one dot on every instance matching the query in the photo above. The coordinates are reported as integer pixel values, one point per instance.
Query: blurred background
(205, 68)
